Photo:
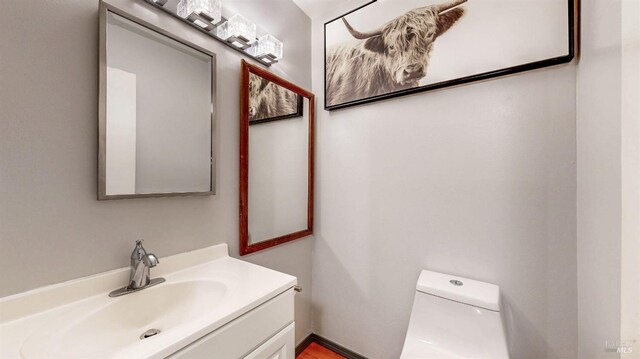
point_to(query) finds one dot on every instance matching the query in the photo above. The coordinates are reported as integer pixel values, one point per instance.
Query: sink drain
(150, 333)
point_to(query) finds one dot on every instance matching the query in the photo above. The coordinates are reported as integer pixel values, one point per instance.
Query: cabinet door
(280, 346)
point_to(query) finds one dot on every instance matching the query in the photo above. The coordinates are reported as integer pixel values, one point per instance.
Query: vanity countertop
(204, 290)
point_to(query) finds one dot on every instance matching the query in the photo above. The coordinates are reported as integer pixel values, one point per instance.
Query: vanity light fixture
(238, 31)
(203, 13)
(268, 48)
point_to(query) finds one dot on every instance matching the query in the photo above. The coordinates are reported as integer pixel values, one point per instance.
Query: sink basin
(119, 323)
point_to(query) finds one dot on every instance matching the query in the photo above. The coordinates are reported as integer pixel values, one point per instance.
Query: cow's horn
(448, 5)
(361, 35)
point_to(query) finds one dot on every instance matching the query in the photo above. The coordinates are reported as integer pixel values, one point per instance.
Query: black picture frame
(572, 39)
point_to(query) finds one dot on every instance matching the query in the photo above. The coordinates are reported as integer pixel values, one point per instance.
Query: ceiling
(311, 7)
(316, 8)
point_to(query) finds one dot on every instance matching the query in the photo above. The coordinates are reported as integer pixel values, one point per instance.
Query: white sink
(120, 324)
(204, 290)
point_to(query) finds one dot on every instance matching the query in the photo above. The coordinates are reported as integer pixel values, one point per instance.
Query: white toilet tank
(455, 317)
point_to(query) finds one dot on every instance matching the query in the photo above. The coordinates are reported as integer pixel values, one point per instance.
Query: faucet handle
(150, 260)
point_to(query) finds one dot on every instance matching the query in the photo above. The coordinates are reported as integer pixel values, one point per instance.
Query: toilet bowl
(454, 317)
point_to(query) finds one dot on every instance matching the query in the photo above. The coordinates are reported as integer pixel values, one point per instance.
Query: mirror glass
(157, 106)
(278, 177)
(279, 149)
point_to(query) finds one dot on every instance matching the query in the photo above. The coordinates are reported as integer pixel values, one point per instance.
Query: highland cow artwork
(270, 102)
(389, 48)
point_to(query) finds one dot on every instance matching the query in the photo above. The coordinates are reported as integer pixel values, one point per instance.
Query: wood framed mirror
(277, 121)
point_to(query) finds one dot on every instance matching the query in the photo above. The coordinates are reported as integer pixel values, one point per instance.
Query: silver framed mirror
(157, 111)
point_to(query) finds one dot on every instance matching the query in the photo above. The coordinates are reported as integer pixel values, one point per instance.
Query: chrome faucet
(140, 277)
(141, 263)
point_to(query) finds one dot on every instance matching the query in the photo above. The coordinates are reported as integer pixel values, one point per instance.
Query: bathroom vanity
(211, 305)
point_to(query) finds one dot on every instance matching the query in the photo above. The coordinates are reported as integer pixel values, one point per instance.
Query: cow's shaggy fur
(376, 66)
(268, 100)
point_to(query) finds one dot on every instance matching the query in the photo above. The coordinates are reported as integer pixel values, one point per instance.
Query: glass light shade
(181, 9)
(209, 9)
(238, 27)
(268, 45)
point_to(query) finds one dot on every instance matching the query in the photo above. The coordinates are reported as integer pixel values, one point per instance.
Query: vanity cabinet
(265, 332)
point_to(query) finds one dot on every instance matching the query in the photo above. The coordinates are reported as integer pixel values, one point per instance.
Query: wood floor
(316, 351)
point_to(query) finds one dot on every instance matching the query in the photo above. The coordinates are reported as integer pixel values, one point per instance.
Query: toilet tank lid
(463, 290)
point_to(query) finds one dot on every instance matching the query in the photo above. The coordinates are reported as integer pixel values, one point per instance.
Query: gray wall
(630, 143)
(477, 181)
(52, 228)
(608, 162)
(599, 179)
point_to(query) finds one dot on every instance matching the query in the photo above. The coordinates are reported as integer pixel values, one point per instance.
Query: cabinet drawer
(245, 333)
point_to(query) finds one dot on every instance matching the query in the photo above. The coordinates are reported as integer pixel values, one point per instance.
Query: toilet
(454, 317)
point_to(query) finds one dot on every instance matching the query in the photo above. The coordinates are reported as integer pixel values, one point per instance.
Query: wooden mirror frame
(245, 246)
